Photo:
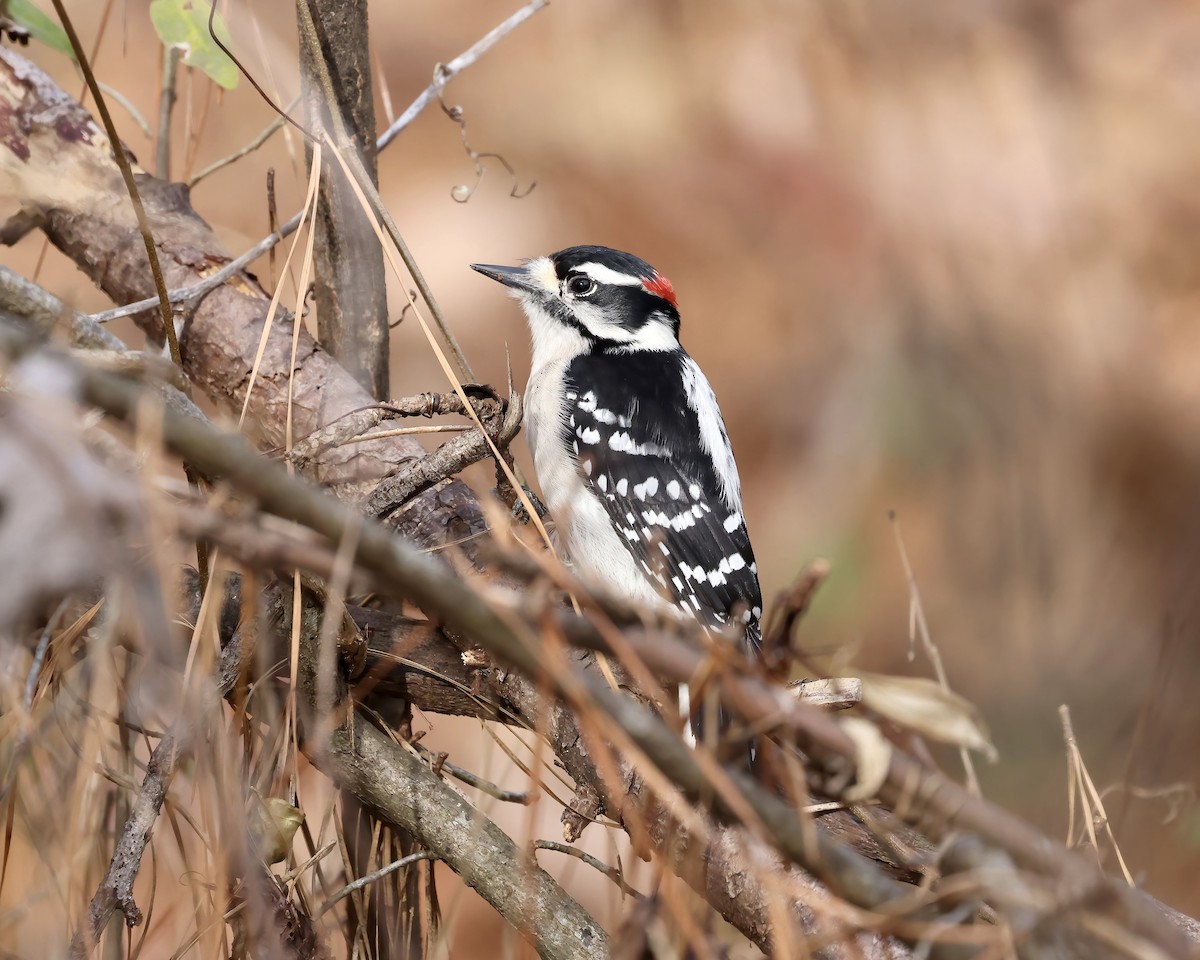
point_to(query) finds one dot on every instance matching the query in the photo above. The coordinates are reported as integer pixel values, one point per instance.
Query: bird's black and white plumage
(628, 441)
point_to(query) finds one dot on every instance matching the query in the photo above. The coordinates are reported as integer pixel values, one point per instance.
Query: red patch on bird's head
(660, 286)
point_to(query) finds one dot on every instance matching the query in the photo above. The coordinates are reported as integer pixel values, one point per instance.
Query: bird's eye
(581, 286)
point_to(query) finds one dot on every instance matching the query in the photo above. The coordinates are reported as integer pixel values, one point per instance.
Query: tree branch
(405, 791)
(335, 71)
(446, 72)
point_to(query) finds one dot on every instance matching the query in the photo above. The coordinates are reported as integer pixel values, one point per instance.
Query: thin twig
(197, 290)
(447, 72)
(409, 432)
(355, 423)
(121, 100)
(166, 103)
(447, 460)
(372, 877)
(264, 135)
(612, 873)
(523, 797)
(776, 651)
(39, 654)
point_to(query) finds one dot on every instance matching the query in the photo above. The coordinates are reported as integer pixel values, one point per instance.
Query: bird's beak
(519, 278)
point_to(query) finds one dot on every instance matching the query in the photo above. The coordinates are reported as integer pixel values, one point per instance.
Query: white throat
(553, 342)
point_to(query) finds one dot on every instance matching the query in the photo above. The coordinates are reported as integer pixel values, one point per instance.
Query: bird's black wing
(641, 456)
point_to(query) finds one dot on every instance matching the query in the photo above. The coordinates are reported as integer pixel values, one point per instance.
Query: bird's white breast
(585, 531)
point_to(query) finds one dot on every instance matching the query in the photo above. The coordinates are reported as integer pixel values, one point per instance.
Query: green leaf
(184, 24)
(42, 28)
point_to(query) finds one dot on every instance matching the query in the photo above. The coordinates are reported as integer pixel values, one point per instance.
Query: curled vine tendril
(463, 192)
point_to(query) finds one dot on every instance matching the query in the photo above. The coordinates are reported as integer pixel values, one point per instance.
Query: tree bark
(352, 323)
(351, 294)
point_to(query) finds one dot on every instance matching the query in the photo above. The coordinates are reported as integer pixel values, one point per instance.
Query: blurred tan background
(942, 259)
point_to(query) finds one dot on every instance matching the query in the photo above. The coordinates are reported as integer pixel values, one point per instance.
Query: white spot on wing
(647, 488)
(682, 522)
(622, 442)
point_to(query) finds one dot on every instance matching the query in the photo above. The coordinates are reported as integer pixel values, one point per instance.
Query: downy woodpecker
(629, 445)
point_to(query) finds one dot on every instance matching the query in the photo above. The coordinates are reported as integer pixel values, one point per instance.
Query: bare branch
(162, 146)
(612, 873)
(262, 137)
(26, 299)
(348, 262)
(406, 792)
(370, 878)
(445, 72)
(446, 461)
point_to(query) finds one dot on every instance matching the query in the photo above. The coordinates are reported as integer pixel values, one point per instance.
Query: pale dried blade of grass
(306, 213)
(1090, 802)
(916, 619)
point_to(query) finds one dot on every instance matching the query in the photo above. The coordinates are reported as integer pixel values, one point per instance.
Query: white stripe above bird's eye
(602, 274)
